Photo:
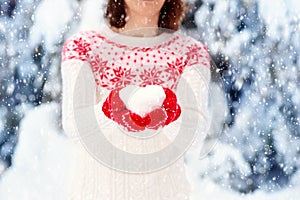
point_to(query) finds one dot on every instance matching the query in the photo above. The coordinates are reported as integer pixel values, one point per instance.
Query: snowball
(142, 100)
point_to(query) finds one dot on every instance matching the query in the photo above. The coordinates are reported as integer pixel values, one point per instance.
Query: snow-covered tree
(31, 35)
(258, 43)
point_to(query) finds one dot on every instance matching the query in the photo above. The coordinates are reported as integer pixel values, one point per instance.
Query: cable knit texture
(114, 61)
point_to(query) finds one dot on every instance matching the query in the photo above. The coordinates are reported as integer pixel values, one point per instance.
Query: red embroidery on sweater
(175, 68)
(76, 48)
(151, 77)
(122, 77)
(197, 53)
(115, 65)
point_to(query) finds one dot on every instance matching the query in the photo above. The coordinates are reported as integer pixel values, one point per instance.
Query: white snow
(142, 100)
(50, 20)
(206, 188)
(92, 14)
(2, 113)
(40, 162)
(278, 15)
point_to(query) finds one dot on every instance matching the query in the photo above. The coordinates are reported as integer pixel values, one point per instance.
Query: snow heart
(139, 108)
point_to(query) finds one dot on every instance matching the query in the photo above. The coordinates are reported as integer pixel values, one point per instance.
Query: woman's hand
(136, 109)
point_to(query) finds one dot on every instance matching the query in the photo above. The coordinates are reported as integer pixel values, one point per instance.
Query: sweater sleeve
(193, 95)
(77, 83)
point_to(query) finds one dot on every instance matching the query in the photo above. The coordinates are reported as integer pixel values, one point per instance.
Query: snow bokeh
(256, 47)
(47, 22)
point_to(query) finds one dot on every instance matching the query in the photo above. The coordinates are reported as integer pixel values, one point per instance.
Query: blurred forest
(254, 44)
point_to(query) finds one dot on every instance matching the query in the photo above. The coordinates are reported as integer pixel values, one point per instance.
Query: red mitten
(115, 101)
(171, 107)
(158, 118)
(113, 104)
(141, 121)
(128, 123)
(115, 109)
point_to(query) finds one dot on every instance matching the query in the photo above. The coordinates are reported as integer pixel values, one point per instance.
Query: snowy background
(255, 45)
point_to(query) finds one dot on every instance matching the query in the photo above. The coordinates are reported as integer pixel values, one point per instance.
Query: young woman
(138, 86)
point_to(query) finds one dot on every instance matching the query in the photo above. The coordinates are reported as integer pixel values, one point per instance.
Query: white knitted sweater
(96, 62)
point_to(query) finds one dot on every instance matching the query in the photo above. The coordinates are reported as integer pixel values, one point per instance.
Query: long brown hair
(170, 14)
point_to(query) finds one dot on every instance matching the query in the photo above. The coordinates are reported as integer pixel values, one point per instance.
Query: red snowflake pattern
(193, 54)
(100, 67)
(82, 46)
(151, 77)
(175, 69)
(122, 77)
(76, 48)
